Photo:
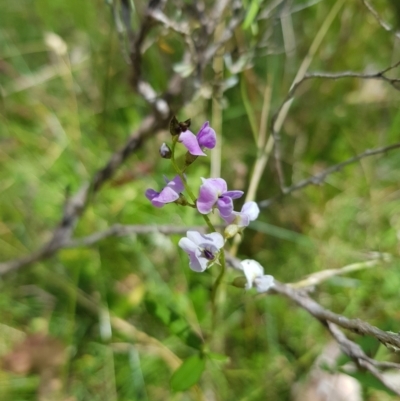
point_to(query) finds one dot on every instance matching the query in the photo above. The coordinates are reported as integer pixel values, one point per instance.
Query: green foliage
(61, 118)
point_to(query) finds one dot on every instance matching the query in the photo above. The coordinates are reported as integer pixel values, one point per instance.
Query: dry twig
(318, 179)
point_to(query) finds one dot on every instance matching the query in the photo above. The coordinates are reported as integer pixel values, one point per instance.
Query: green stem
(216, 285)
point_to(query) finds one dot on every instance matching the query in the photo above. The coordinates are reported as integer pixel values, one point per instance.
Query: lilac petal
(218, 184)
(197, 263)
(207, 136)
(208, 196)
(225, 206)
(176, 184)
(151, 194)
(167, 195)
(189, 140)
(234, 194)
(196, 237)
(251, 210)
(214, 239)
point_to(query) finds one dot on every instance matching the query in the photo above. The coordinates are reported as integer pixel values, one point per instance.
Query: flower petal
(225, 206)
(196, 237)
(167, 195)
(197, 263)
(207, 136)
(234, 194)
(208, 196)
(218, 184)
(187, 245)
(176, 184)
(189, 140)
(251, 209)
(264, 283)
(151, 194)
(251, 269)
(217, 239)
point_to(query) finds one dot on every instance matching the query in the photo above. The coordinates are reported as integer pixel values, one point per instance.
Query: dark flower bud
(174, 127)
(165, 151)
(185, 124)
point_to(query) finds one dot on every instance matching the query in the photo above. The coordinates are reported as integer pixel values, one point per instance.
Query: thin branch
(156, 120)
(321, 276)
(120, 230)
(280, 116)
(381, 22)
(282, 111)
(318, 179)
(355, 352)
(389, 339)
(76, 205)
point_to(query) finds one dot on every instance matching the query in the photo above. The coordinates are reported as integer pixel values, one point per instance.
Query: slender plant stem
(216, 285)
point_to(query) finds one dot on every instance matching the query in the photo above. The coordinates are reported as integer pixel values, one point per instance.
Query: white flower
(254, 273)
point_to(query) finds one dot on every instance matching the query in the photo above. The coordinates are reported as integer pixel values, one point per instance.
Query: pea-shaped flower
(203, 249)
(170, 193)
(214, 193)
(205, 138)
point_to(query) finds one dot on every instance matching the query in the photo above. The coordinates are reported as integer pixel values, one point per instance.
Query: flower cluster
(203, 249)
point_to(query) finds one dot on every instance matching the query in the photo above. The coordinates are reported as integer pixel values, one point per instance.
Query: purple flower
(206, 138)
(170, 193)
(249, 212)
(202, 249)
(214, 192)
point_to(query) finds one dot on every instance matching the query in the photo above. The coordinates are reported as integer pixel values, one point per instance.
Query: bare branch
(355, 352)
(281, 113)
(76, 205)
(318, 179)
(389, 339)
(323, 275)
(381, 22)
(120, 230)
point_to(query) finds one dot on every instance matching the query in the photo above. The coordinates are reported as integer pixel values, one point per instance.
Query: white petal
(217, 239)
(264, 283)
(187, 245)
(251, 269)
(196, 237)
(251, 209)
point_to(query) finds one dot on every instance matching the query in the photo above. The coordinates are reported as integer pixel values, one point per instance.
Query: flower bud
(165, 151)
(174, 127)
(239, 282)
(231, 231)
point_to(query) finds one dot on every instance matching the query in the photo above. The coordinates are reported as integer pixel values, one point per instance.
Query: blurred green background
(66, 106)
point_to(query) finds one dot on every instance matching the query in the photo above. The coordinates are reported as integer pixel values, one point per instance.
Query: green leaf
(252, 13)
(188, 373)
